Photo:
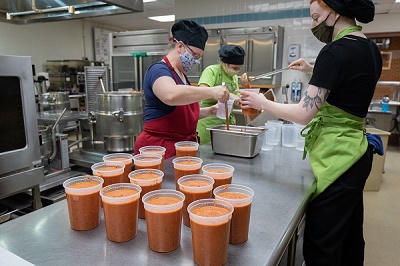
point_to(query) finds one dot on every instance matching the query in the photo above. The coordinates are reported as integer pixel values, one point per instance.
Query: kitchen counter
(282, 183)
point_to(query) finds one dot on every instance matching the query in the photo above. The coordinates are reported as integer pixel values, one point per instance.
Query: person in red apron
(172, 106)
(334, 106)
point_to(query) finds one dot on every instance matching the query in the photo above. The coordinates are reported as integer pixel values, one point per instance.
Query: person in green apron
(334, 106)
(231, 60)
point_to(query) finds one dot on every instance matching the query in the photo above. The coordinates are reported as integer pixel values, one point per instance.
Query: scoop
(102, 84)
(245, 80)
(226, 111)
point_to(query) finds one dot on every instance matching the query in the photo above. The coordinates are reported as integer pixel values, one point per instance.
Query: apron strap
(176, 78)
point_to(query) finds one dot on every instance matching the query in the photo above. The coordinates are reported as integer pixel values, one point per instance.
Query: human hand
(213, 109)
(301, 65)
(253, 100)
(221, 93)
(236, 99)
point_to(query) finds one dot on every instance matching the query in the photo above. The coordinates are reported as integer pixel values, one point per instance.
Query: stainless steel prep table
(281, 180)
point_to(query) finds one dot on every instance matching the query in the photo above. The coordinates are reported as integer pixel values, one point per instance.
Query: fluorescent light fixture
(148, 1)
(166, 18)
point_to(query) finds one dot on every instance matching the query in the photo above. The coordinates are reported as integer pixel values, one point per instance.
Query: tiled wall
(293, 16)
(264, 15)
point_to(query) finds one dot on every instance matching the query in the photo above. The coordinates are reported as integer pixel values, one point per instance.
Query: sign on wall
(101, 45)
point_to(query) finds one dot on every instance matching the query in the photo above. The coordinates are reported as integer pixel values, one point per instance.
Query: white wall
(71, 40)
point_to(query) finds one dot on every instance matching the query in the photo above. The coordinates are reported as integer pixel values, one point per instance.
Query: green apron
(211, 121)
(335, 141)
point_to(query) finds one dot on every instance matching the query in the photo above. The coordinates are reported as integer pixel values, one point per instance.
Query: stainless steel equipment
(114, 126)
(119, 118)
(45, 141)
(239, 141)
(127, 70)
(263, 47)
(20, 163)
(91, 140)
(25, 11)
(51, 101)
(47, 137)
(54, 146)
(93, 84)
(66, 75)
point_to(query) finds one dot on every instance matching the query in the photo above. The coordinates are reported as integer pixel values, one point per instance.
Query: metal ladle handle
(102, 84)
(53, 136)
(58, 120)
(268, 74)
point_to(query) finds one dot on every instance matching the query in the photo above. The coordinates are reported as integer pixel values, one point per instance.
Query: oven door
(19, 136)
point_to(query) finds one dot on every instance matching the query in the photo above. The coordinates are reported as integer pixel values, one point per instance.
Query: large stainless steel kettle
(119, 118)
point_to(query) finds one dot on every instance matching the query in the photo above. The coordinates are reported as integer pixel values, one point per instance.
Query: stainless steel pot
(54, 101)
(119, 118)
(45, 141)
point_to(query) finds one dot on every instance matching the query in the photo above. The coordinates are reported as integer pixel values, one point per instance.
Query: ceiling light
(166, 18)
(148, 1)
(397, 1)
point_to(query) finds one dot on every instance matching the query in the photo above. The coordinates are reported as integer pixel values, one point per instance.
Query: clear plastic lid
(109, 168)
(95, 187)
(123, 197)
(187, 145)
(148, 159)
(134, 177)
(211, 220)
(218, 170)
(163, 193)
(196, 183)
(152, 149)
(125, 158)
(237, 195)
(187, 162)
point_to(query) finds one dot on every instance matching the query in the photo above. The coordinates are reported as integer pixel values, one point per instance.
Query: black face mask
(324, 32)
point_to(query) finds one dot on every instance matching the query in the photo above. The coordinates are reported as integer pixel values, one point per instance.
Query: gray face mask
(324, 32)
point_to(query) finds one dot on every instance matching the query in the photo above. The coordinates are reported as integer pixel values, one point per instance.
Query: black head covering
(362, 10)
(190, 33)
(232, 54)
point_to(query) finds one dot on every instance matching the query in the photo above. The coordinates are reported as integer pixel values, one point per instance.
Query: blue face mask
(188, 61)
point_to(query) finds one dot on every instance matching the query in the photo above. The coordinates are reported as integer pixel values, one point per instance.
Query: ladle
(102, 84)
(226, 111)
(244, 79)
(53, 136)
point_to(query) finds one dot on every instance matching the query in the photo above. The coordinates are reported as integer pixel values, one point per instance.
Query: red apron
(180, 125)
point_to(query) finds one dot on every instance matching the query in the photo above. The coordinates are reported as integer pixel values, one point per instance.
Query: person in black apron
(334, 107)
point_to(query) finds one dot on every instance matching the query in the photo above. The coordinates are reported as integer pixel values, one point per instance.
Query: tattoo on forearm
(310, 102)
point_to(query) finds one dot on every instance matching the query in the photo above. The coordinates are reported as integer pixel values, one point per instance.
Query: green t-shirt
(213, 76)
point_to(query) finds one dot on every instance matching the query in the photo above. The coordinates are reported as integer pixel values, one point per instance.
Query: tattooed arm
(302, 112)
(314, 97)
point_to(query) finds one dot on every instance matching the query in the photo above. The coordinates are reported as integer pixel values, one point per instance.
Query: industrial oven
(20, 163)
